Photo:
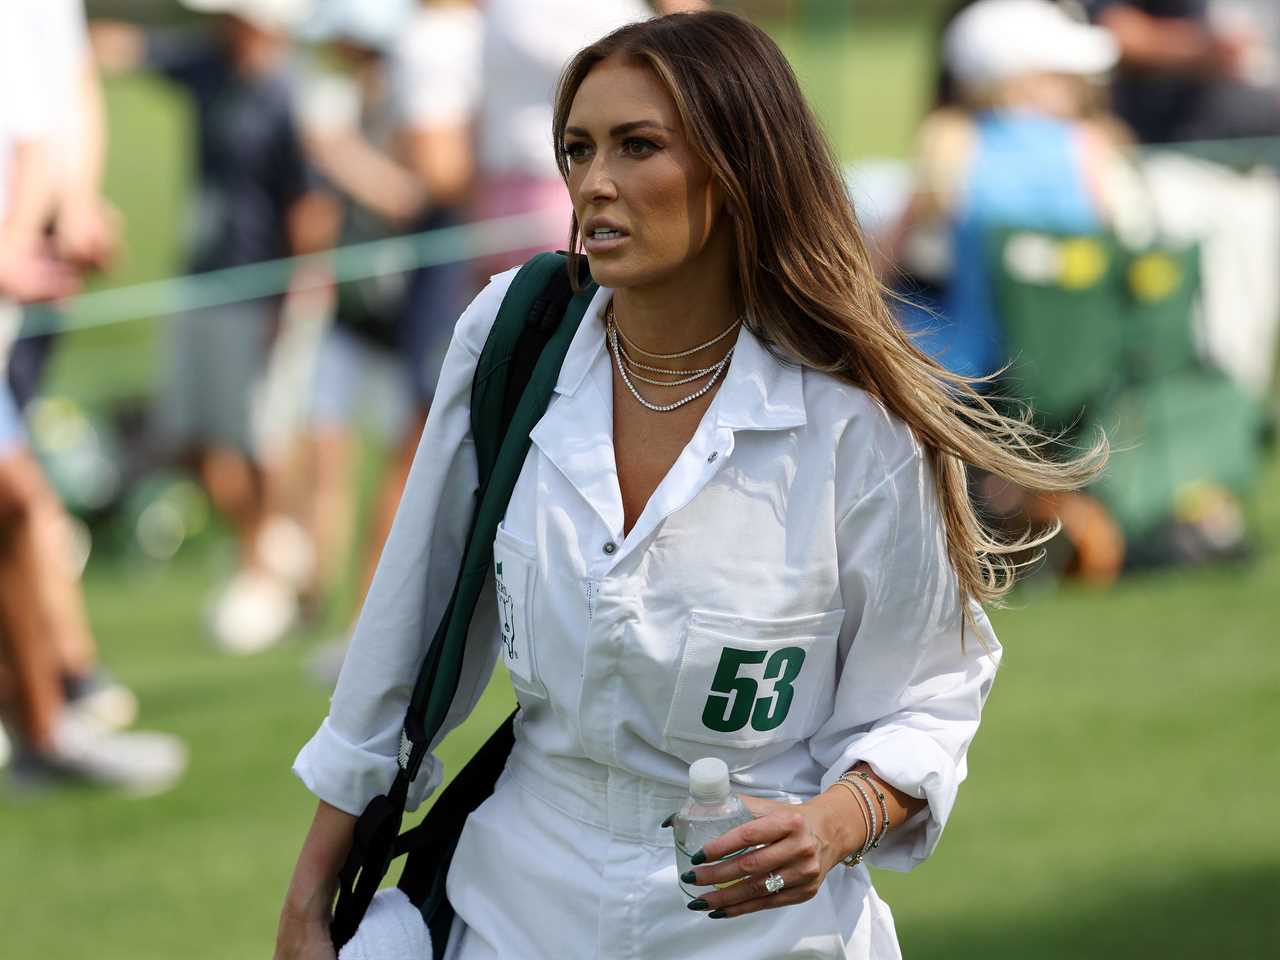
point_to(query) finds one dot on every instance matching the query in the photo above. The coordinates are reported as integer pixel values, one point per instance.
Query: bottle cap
(709, 780)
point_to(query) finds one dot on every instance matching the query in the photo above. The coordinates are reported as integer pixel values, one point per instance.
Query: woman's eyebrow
(622, 129)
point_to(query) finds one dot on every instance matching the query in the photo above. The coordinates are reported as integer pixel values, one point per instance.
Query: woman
(772, 562)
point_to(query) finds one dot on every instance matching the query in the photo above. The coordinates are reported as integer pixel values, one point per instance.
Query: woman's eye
(576, 152)
(638, 147)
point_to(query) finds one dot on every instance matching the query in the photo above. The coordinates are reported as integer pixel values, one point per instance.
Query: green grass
(868, 80)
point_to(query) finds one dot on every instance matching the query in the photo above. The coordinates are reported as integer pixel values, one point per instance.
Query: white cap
(372, 24)
(997, 40)
(709, 780)
(268, 14)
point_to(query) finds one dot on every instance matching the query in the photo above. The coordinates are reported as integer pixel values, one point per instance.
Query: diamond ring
(773, 883)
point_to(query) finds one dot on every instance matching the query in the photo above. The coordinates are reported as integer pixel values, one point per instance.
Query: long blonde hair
(808, 287)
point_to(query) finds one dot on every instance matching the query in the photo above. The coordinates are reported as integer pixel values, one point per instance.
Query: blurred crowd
(1063, 237)
(317, 124)
(1040, 241)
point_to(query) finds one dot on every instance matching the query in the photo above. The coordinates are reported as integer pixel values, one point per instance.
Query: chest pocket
(515, 576)
(746, 684)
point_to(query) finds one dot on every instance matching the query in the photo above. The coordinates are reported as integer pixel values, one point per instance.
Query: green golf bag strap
(514, 381)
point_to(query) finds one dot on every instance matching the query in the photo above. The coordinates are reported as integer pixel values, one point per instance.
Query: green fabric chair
(1162, 290)
(1083, 316)
(1062, 310)
(1101, 336)
(1171, 437)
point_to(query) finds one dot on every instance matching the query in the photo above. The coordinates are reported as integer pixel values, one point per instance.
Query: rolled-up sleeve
(910, 687)
(352, 757)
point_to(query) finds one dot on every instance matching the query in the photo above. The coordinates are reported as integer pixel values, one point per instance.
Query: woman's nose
(597, 184)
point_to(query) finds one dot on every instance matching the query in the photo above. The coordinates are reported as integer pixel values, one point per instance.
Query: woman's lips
(604, 241)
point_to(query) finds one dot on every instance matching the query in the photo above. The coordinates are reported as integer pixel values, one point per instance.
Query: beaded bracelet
(868, 818)
(884, 805)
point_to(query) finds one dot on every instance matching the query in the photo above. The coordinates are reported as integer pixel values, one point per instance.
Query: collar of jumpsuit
(759, 392)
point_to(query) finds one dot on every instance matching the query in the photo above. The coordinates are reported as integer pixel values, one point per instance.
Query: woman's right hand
(303, 933)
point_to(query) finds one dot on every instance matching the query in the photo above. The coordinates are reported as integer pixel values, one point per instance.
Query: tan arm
(303, 933)
(26, 273)
(846, 814)
(86, 224)
(30, 196)
(370, 177)
(946, 145)
(118, 47)
(313, 223)
(442, 158)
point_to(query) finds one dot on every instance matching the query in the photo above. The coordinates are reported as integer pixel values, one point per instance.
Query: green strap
(438, 680)
(489, 387)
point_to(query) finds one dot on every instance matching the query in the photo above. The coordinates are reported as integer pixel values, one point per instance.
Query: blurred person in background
(393, 138)
(66, 713)
(1017, 147)
(85, 227)
(1020, 146)
(526, 45)
(82, 231)
(1190, 69)
(253, 202)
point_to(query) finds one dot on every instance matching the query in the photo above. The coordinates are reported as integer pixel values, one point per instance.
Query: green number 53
(733, 699)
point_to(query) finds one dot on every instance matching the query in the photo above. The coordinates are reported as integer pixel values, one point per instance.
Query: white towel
(392, 929)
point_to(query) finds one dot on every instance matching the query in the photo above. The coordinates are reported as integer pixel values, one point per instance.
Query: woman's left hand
(801, 843)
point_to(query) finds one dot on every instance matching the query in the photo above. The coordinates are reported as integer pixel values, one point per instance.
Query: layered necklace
(629, 368)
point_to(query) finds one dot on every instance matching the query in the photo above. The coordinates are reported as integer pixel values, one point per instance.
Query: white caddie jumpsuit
(784, 602)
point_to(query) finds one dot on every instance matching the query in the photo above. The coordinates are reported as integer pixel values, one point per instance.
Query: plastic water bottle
(710, 811)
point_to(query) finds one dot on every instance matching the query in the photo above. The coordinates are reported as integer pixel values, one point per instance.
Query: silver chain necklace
(609, 319)
(612, 336)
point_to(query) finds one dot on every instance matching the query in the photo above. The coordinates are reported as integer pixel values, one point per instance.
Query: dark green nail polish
(689, 877)
(717, 914)
(667, 822)
(698, 858)
(699, 904)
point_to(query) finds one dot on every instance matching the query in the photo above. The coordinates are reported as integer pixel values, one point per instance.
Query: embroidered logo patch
(506, 614)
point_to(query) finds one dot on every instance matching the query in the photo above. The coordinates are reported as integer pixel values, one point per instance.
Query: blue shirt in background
(1025, 171)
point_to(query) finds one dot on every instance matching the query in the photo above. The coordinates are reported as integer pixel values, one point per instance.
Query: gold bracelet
(884, 805)
(868, 818)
